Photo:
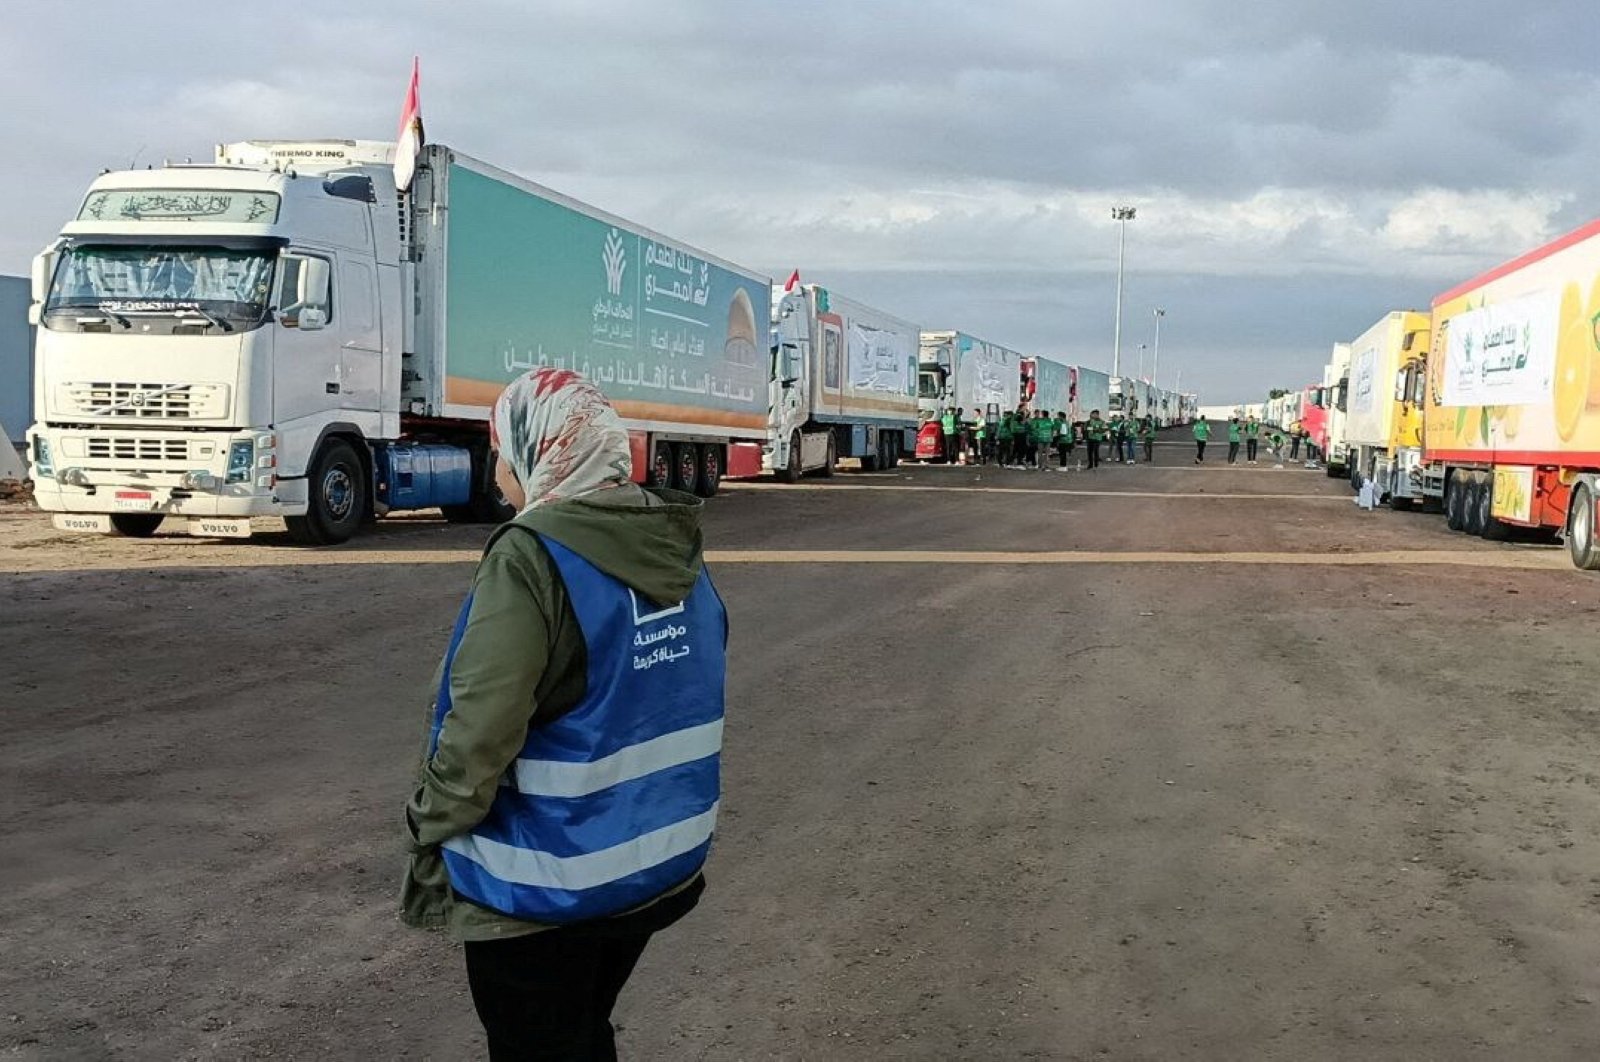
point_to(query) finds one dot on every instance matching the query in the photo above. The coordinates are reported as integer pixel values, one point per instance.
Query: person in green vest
(1147, 433)
(1202, 432)
(952, 442)
(980, 437)
(1252, 436)
(1005, 435)
(1275, 445)
(1234, 433)
(1094, 434)
(1063, 431)
(1044, 438)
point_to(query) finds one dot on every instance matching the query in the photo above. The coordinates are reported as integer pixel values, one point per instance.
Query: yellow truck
(1383, 411)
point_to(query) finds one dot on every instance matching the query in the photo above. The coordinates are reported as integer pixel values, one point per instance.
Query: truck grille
(145, 451)
(145, 400)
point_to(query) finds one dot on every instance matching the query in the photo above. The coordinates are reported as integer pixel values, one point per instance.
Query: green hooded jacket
(522, 662)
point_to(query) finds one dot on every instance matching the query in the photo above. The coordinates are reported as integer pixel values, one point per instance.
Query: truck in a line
(844, 384)
(956, 370)
(281, 333)
(1511, 425)
(1383, 420)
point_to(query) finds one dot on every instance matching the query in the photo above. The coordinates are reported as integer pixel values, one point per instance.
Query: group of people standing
(1240, 429)
(1027, 439)
(1247, 430)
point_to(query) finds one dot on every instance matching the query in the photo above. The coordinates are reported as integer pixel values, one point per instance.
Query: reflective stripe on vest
(616, 801)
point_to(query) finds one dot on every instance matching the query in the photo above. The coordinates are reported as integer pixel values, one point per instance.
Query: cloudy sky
(1299, 167)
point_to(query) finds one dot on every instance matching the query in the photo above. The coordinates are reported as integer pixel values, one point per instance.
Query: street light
(1142, 348)
(1155, 361)
(1121, 215)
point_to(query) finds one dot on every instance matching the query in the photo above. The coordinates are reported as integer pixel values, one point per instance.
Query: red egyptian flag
(793, 282)
(408, 145)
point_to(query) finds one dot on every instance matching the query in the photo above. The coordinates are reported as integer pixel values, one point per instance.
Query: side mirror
(312, 318)
(44, 270)
(313, 290)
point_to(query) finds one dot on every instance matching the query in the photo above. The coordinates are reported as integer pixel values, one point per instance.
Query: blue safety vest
(615, 802)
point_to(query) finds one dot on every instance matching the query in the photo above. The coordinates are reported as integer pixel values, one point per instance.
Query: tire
(1581, 545)
(1330, 471)
(1455, 502)
(685, 467)
(661, 465)
(873, 461)
(894, 450)
(1476, 506)
(136, 525)
(337, 497)
(1399, 503)
(710, 477)
(791, 474)
(1491, 528)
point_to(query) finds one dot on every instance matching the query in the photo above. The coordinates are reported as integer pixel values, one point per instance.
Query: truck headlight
(241, 459)
(43, 467)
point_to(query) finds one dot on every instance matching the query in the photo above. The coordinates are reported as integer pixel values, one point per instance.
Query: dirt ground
(1195, 764)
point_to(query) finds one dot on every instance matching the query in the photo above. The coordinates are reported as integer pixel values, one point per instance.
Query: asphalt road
(1153, 763)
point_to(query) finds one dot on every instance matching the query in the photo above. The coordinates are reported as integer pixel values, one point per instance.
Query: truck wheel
(337, 498)
(685, 467)
(1399, 502)
(826, 471)
(894, 451)
(1474, 505)
(710, 473)
(1454, 507)
(1580, 531)
(791, 472)
(873, 461)
(1493, 529)
(661, 465)
(136, 525)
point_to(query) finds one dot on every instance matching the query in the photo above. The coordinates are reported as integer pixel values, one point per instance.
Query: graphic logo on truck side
(615, 259)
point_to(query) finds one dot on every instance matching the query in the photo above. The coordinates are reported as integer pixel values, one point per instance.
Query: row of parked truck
(285, 332)
(1487, 407)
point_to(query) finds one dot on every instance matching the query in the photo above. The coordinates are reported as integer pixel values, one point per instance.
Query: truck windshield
(215, 286)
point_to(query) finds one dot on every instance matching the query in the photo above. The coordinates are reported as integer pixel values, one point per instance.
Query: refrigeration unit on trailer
(959, 371)
(1511, 428)
(280, 333)
(1046, 385)
(844, 384)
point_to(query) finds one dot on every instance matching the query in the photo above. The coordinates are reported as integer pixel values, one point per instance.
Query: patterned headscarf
(560, 436)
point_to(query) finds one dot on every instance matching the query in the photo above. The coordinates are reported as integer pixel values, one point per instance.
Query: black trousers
(1199, 449)
(1094, 453)
(1149, 451)
(1233, 452)
(1063, 451)
(1294, 447)
(1250, 449)
(952, 448)
(548, 995)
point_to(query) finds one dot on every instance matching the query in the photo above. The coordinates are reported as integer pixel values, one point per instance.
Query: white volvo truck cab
(218, 342)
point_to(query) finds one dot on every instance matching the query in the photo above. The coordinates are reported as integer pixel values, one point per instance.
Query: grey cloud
(770, 133)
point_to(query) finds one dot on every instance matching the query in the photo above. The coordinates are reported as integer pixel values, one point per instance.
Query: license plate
(219, 527)
(136, 500)
(94, 523)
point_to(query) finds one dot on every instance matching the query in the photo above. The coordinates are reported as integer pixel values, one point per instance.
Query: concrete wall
(16, 358)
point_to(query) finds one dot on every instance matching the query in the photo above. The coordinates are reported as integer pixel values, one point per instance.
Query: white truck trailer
(281, 333)
(845, 384)
(956, 370)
